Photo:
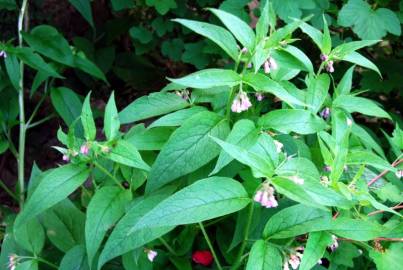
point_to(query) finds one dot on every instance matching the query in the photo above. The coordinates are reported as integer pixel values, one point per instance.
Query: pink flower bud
(259, 96)
(399, 174)
(266, 66)
(12, 261)
(327, 168)
(84, 149)
(329, 67)
(258, 196)
(325, 113)
(324, 57)
(273, 63)
(294, 261)
(151, 254)
(66, 158)
(244, 50)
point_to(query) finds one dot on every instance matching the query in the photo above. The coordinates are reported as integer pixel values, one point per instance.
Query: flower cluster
(265, 196)
(294, 259)
(241, 103)
(269, 65)
(328, 63)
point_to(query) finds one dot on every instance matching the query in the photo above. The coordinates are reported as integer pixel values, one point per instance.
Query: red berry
(202, 257)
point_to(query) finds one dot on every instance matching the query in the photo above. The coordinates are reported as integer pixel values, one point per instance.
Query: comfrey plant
(261, 166)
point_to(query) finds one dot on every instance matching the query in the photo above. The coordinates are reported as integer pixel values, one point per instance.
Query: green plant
(263, 162)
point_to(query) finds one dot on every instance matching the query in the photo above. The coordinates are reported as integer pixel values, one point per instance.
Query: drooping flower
(203, 257)
(324, 57)
(327, 168)
(185, 94)
(279, 146)
(3, 54)
(334, 244)
(329, 66)
(84, 149)
(294, 260)
(325, 113)
(270, 64)
(241, 103)
(399, 174)
(259, 96)
(297, 180)
(265, 196)
(244, 50)
(66, 158)
(151, 254)
(12, 261)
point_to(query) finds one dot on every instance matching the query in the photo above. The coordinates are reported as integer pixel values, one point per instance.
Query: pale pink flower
(259, 96)
(265, 197)
(12, 261)
(295, 260)
(324, 180)
(324, 57)
(349, 122)
(329, 67)
(151, 254)
(399, 174)
(3, 54)
(285, 266)
(266, 66)
(273, 63)
(270, 64)
(244, 50)
(334, 244)
(278, 145)
(84, 149)
(241, 103)
(297, 180)
(66, 158)
(249, 65)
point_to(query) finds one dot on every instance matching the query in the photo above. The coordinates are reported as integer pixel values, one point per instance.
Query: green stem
(38, 259)
(238, 261)
(43, 120)
(210, 246)
(6, 189)
(38, 105)
(105, 171)
(22, 136)
(168, 247)
(320, 68)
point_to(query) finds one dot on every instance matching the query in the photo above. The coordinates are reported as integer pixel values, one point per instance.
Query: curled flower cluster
(265, 196)
(84, 149)
(329, 63)
(151, 254)
(241, 103)
(269, 65)
(325, 113)
(294, 259)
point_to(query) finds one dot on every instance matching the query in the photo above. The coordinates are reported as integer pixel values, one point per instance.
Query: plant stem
(210, 246)
(6, 189)
(245, 239)
(105, 171)
(21, 146)
(43, 120)
(167, 246)
(379, 176)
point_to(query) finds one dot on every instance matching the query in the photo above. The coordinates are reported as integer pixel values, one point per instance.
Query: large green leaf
(189, 148)
(240, 29)
(264, 256)
(318, 88)
(31, 236)
(150, 106)
(296, 120)
(263, 83)
(104, 209)
(67, 104)
(84, 7)
(389, 259)
(75, 259)
(344, 86)
(176, 118)
(360, 60)
(358, 104)
(217, 34)
(208, 78)
(54, 187)
(87, 120)
(205, 199)
(368, 23)
(315, 248)
(46, 40)
(126, 153)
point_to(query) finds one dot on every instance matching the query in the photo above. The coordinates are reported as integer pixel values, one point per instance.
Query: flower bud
(84, 149)
(259, 96)
(3, 54)
(151, 254)
(325, 113)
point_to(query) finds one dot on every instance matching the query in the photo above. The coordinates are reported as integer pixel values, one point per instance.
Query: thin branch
(379, 176)
(399, 206)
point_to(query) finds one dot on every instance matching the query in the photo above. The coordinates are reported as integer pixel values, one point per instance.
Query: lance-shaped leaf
(189, 148)
(111, 119)
(87, 120)
(126, 153)
(54, 187)
(264, 256)
(217, 34)
(209, 78)
(315, 248)
(358, 104)
(148, 219)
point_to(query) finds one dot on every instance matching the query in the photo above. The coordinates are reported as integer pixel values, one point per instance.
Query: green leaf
(152, 105)
(176, 118)
(84, 7)
(263, 83)
(303, 61)
(111, 119)
(195, 203)
(358, 104)
(360, 60)
(315, 249)
(318, 88)
(389, 259)
(264, 256)
(217, 34)
(344, 86)
(31, 236)
(104, 210)
(54, 187)
(27, 265)
(35, 61)
(262, 165)
(292, 120)
(359, 230)
(240, 29)
(368, 23)
(87, 120)
(46, 40)
(162, 6)
(189, 148)
(13, 70)
(67, 104)
(209, 78)
(64, 225)
(173, 49)
(349, 47)
(8, 4)
(313, 33)
(75, 259)
(141, 34)
(127, 154)
(288, 9)
(149, 139)
(244, 134)
(81, 61)
(295, 220)
(326, 41)
(262, 25)
(358, 157)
